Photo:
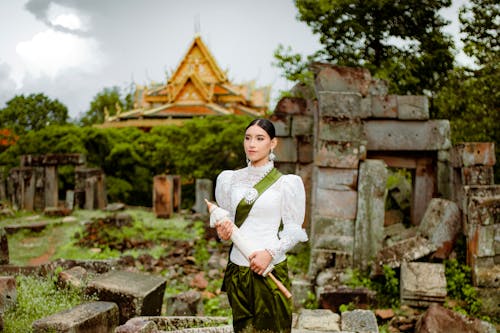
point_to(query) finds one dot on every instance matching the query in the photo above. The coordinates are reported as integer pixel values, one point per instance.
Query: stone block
(8, 293)
(291, 106)
(359, 321)
(322, 259)
(203, 190)
(339, 105)
(318, 320)
(340, 154)
(52, 159)
(467, 154)
(305, 149)
(176, 324)
(330, 77)
(411, 107)
(302, 125)
(333, 234)
(286, 168)
(486, 277)
(75, 277)
(441, 223)
(483, 210)
(330, 129)
(477, 175)
(366, 107)
(282, 125)
(337, 179)
(188, 303)
(137, 294)
(384, 106)
(394, 135)
(404, 251)
(486, 240)
(286, 151)
(422, 283)
(378, 87)
(336, 204)
(99, 317)
(300, 291)
(445, 181)
(369, 226)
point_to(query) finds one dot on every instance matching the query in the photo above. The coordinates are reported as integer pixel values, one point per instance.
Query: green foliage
(471, 98)
(311, 302)
(108, 102)
(363, 34)
(347, 307)
(38, 298)
(459, 286)
(386, 286)
(32, 113)
(130, 158)
(298, 262)
(213, 307)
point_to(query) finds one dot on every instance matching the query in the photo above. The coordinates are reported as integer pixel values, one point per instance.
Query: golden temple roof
(197, 87)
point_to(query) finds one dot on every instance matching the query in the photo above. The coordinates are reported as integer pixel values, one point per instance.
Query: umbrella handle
(280, 285)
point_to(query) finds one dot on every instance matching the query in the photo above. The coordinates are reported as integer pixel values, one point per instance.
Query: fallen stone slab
(404, 251)
(359, 321)
(422, 283)
(317, 320)
(441, 224)
(137, 294)
(439, 319)
(93, 317)
(147, 324)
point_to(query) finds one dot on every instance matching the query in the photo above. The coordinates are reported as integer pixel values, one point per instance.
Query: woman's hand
(224, 229)
(259, 260)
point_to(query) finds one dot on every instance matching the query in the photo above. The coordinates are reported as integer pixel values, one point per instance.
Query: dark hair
(265, 124)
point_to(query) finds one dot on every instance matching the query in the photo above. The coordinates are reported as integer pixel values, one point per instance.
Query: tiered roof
(198, 87)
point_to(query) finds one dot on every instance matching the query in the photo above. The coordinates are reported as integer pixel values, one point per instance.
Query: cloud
(50, 52)
(7, 85)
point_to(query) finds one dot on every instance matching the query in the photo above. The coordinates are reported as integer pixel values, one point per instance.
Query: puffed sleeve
(222, 189)
(293, 207)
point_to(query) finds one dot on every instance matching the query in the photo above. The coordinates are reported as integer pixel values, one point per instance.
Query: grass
(38, 298)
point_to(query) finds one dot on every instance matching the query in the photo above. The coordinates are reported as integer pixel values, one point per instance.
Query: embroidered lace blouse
(282, 201)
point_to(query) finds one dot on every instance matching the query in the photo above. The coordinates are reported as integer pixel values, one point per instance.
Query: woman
(260, 201)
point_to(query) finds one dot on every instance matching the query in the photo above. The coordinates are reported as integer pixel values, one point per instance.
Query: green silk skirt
(256, 302)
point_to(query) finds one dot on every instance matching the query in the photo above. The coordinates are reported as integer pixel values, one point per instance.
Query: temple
(198, 87)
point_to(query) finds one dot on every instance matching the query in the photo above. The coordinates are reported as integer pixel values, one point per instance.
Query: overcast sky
(71, 49)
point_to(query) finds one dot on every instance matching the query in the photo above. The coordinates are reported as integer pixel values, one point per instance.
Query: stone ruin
(341, 137)
(34, 185)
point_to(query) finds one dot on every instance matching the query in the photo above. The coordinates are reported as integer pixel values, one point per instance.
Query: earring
(272, 156)
(248, 161)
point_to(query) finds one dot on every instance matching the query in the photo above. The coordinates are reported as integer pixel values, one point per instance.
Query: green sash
(243, 207)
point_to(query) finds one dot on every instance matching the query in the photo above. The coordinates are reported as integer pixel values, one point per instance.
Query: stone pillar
(177, 189)
(51, 186)
(3, 185)
(4, 247)
(369, 227)
(28, 188)
(90, 190)
(204, 190)
(163, 201)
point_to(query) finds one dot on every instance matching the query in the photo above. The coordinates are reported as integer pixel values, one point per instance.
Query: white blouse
(283, 201)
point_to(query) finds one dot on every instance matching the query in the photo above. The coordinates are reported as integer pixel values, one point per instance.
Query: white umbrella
(217, 215)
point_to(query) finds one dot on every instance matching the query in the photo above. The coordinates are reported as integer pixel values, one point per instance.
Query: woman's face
(258, 145)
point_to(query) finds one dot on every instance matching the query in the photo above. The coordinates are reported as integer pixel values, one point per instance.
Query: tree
(400, 41)
(32, 113)
(108, 102)
(471, 100)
